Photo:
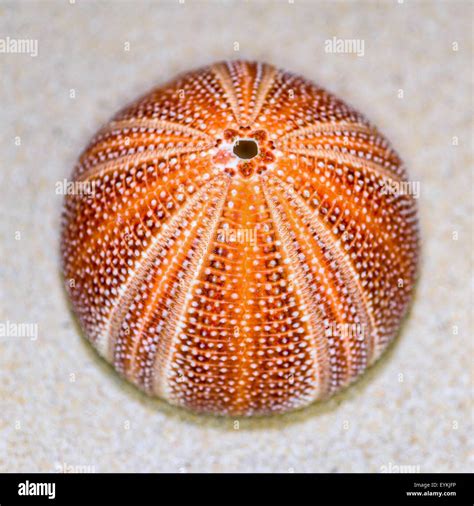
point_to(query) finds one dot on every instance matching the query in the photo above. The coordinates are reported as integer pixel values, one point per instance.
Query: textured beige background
(46, 419)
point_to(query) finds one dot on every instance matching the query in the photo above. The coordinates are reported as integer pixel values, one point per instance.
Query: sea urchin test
(242, 248)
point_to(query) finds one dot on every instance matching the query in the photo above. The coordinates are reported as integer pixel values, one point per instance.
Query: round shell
(240, 241)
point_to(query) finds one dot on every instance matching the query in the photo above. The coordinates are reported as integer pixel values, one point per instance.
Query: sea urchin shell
(236, 243)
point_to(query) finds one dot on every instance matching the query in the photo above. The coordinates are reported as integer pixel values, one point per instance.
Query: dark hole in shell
(246, 149)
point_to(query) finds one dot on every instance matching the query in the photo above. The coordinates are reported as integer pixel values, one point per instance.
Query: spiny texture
(236, 284)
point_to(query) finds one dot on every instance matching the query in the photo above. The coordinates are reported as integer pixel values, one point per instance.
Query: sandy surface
(60, 405)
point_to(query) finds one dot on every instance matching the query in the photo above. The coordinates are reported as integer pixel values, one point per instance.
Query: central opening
(245, 149)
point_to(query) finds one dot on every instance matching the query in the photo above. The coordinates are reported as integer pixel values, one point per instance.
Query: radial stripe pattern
(240, 241)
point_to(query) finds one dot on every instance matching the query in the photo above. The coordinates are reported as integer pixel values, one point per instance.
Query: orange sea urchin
(241, 248)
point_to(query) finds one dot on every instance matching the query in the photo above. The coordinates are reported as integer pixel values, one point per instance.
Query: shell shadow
(228, 423)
